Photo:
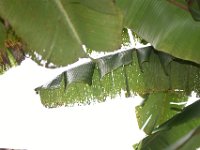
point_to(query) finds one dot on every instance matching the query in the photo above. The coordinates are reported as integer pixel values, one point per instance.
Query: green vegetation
(164, 73)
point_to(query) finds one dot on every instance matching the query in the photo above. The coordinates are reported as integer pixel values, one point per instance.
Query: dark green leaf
(188, 141)
(109, 63)
(118, 72)
(179, 132)
(194, 8)
(165, 60)
(82, 73)
(143, 55)
(56, 83)
(168, 138)
(56, 92)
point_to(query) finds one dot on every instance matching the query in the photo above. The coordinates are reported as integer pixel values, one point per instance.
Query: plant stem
(179, 5)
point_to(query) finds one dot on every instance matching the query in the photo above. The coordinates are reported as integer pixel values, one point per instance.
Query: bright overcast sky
(26, 124)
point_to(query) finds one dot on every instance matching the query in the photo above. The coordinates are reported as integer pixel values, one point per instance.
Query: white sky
(26, 124)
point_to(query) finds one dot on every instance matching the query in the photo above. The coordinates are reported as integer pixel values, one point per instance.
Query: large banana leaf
(165, 81)
(57, 29)
(180, 132)
(72, 23)
(167, 27)
(121, 71)
(192, 6)
(158, 108)
(185, 136)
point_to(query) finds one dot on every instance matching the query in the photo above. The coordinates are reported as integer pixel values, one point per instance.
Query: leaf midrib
(68, 20)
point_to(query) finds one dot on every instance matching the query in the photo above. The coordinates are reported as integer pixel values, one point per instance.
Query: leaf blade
(166, 27)
(57, 29)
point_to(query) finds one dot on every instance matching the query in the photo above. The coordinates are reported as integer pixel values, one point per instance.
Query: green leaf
(190, 112)
(57, 29)
(162, 88)
(167, 27)
(188, 141)
(143, 55)
(121, 71)
(170, 138)
(81, 73)
(59, 87)
(165, 60)
(108, 63)
(158, 108)
(182, 131)
(78, 92)
(56, 83)
(194, 8)
(125, 37)
(183, 76)
(2, 35)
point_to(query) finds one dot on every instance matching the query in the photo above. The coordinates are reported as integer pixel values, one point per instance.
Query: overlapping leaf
(188, 113)
(188, 141)
(112, 62)
(56, 30)
(165, 79)
(121, 71)
(194, 8)
(158, 108)
(181, 131)
(98, 25)
(167, 27)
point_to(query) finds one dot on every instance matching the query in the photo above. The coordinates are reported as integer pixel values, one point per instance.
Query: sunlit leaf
(57, 29)
(125, 37)
(164, 25)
